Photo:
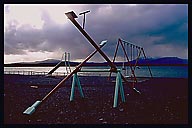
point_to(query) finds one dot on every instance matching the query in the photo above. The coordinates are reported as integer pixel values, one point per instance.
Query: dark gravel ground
(163, 101)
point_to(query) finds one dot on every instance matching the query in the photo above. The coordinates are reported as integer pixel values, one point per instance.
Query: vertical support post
(117, 86)
(128, 60)
(121, 88)
(69, 62)
(79, 86)
(73, 87)
(66, 62)
(116, 49)
(127, 73)
(147, 63)
(75, 81)
(116, 92)
(137, 59)
(131, 51)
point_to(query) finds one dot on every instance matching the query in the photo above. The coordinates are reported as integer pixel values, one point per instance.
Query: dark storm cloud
(145, 25)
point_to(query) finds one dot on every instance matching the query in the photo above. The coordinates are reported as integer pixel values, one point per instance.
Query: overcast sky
(39, 32)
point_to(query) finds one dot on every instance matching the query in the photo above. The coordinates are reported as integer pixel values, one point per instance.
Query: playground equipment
(83, 13)
(133, 52)
(31, 109)
(66, 62)
(71, 15)
(118, 85)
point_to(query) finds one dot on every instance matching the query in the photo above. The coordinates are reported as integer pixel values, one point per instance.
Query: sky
(40, 32)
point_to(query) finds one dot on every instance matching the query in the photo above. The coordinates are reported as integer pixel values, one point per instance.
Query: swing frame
(123, 44)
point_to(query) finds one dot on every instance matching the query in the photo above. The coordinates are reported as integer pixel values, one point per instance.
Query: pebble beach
(162, 101)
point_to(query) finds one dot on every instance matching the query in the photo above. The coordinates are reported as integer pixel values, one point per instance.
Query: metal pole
(66, 62)
(117, 46)
(147, 63)
(137, 59)
(128, 61)
(127, 56)
(84, 17)
(131, 51)
(83, 21)
(69, 62)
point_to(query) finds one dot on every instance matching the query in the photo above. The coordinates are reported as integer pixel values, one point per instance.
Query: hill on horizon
(141, 61)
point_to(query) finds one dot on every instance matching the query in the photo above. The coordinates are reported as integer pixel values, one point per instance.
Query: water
(157, 71)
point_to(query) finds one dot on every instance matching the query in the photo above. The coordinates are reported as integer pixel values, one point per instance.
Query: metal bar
(66, 62)
(127, 56)
(129, 43)
(84, 12)
(69, 62)
(55, 68)
(137, 59)
(147, 63)
(117, 46)
(83, 21)
(131, 51)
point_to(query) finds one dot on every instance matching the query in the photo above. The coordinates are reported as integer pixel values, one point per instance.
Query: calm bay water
(157, 71)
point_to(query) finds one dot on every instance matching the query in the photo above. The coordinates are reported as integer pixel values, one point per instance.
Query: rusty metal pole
(69, 61)
(128, 61)
(147, 63)
(137, 59)
(117, 46)
(83, 13)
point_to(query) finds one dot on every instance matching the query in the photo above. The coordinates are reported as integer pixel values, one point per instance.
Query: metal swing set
(135, 54)
(113, 68)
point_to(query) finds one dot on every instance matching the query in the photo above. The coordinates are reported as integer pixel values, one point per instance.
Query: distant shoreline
(88, 65)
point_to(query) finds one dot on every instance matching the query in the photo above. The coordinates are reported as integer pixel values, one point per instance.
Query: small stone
(104, 122)
(121, 109)
(39, 120)
(61, 112)
(101, 119)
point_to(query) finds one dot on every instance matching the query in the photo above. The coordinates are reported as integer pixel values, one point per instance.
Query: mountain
(175, 61)
(162, 61)
(48, 62)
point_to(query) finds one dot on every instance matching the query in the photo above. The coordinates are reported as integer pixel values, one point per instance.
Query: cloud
(150, 26)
